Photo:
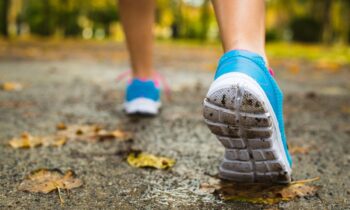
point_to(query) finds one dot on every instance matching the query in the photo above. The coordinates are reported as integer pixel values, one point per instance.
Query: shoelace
(271, 72)
(157, 78)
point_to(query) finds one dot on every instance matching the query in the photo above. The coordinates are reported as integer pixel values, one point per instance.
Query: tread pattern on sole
(243, 125)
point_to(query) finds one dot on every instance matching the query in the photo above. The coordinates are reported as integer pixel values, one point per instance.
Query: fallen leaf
(116, 134)
(46, 180)
(299, 150)
(141, 160)
(55, 141)
(61, 126)
(28, 141)
(25, 141)
(345, 109)
(88, 133)
(91, 133)
(262, 193)
(79, 132)
(12, 86)
(294, 69)
(328, 66)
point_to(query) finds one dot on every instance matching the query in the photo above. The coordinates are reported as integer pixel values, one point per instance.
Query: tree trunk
(205, 18)
(327, 31)
(3, 17)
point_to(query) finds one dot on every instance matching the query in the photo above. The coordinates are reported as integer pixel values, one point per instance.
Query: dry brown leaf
(294, 69)
(46, 180)
(262, 193)
(25, 141)
(141, 160)
(91, 133)
(28, 141)
(299, 150)
(12, 86)
(88, 133)
(55, 141)
(116, 134)
(345, 109)
(79, 132)
(61, 126)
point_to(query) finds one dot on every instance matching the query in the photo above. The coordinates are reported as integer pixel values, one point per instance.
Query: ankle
(248, 47)
(144, 75)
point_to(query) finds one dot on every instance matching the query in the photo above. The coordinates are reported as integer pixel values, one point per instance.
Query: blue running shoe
(244, 109)
(142, 97)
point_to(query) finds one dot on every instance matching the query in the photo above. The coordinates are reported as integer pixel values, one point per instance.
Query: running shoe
(244, 109)
(142, 97)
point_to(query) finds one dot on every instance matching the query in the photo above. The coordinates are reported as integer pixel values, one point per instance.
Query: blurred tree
(205, 19)
(306, 29)
(178, 22)
(323, 16)
(104, 16)
(4, 8)
(67, 15)
(41, 17)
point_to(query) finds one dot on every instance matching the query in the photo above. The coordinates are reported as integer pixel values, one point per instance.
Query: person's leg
(242, 24)
(137, 17)
(142, 93)
(243, 106)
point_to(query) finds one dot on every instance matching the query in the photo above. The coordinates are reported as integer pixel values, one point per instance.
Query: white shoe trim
(142, 106)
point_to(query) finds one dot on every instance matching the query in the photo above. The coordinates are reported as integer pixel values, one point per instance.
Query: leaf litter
(26, 140)
(260, 193)
(145, 160)
(48, 180)
(64, 133)
(91, 133)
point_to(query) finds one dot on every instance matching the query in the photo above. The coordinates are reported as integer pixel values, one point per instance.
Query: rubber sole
(142, 106)
(241, 117)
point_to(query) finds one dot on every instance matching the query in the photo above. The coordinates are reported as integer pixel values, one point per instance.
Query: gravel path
(83, 90)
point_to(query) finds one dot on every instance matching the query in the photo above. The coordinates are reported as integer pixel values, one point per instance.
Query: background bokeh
(325, 21)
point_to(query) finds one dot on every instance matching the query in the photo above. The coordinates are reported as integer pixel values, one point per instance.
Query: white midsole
(142, 105)
(242, 80)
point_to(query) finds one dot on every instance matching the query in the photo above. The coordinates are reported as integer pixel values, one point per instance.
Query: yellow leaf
(25, 141)
(147, 160)
(262, 193)
(28, 141)
(12, 86)
(45, 181)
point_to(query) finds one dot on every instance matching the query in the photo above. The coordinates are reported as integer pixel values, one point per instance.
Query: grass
(337, 54)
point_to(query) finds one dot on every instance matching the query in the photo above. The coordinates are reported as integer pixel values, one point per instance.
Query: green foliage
(102, 17)
(272, 35)
(306, 29)
(308, 20)
(40, 17)
(69, 23)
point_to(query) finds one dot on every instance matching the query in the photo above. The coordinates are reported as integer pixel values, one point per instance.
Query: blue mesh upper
(142, 89)
(253, 65)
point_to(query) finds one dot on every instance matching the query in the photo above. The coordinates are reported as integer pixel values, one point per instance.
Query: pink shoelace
(158, 80)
